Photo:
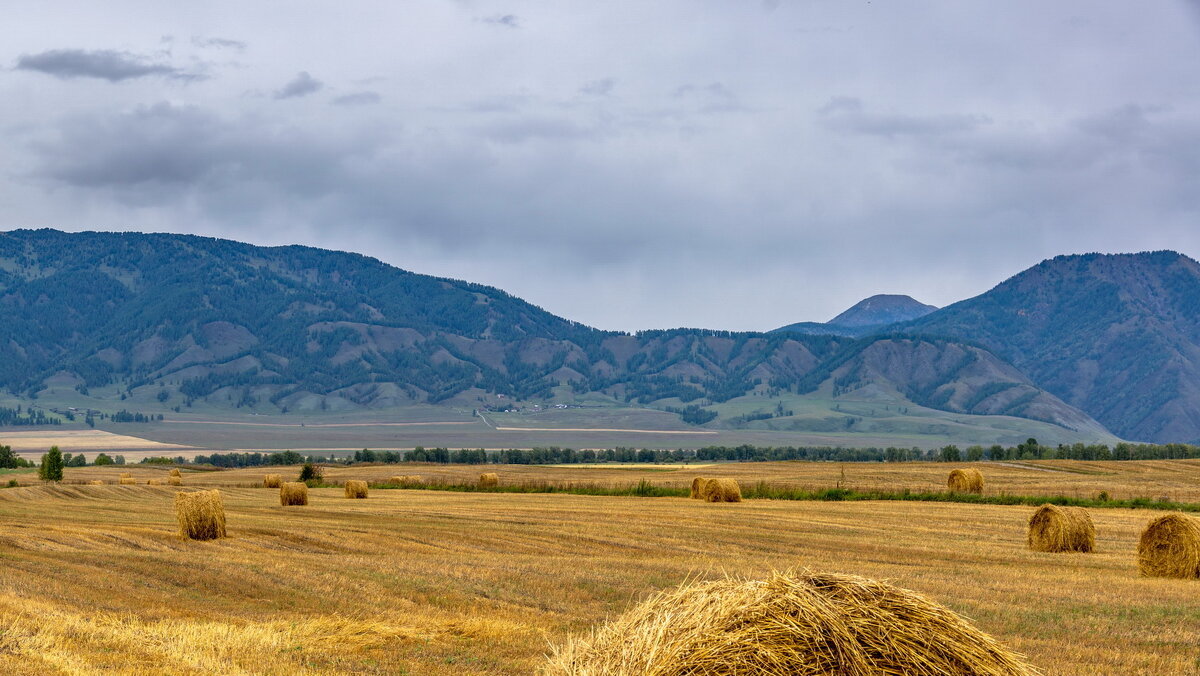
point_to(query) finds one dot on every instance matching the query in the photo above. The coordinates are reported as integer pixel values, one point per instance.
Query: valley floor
(425, 582)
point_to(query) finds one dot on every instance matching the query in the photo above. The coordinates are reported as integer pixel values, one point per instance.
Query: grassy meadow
(433, 582)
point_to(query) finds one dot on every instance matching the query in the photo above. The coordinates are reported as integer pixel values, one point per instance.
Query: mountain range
(1089, 343)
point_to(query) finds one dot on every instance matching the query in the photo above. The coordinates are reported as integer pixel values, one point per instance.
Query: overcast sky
(733, 164)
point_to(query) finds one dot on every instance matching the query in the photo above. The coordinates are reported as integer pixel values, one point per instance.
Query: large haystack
(201, 515)
(968, 480)
(153, 482)
(489, 480)
(175, 480)
(1061, 529)
(696, 485)
(293, 493)
(127, 481)
(788, 624)
(174, 472)
(272, 481)
(126, 475)
(720, 490)
(1170, 547)
(356, 489)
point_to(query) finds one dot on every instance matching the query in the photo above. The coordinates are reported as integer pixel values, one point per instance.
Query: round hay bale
(174, 472)
(272, 481)
(1061, 529)
(396, 480)
(489, 480)
(201, 515)
(788, 624)
(126, 475)
(174, 480)
(153, 482)
(95, 482)
(969, 480)
(720, 490)
(356, 489)
(293, 493)
(127, 481)
(699, 481)
(1170, 547)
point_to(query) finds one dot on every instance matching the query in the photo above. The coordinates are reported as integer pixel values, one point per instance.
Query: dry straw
(128, 481)
(175, 480)
(126, 475)
(272, 481)
(489, 480)
(968, 480)
(95, 482)
(1061, 529)
(696, 484)
(788, 624)
(293, 493)
(153, 482)
(174, 472)
(1170, 547)
(356, 489)
(201, 515)
(720, 490)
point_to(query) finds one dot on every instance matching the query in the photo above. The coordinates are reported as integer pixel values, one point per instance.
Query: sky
(738, 164)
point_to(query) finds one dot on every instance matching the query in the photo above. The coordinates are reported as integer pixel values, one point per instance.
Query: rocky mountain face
(1117, 336)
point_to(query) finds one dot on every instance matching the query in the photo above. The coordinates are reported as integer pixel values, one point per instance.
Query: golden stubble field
(424, 582)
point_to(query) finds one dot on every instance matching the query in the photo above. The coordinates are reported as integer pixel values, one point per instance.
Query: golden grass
(355, 489)
(489, 479)
(293, 493)
(1170, 547)
(787, 624)
(481, 583)
(201, 515)
(1061, 529)
(965, 480)
(720, 490)
(272, 480)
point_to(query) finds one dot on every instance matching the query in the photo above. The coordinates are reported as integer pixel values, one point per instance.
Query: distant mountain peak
(883, 309)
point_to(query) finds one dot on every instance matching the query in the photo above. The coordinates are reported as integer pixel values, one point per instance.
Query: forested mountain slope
(1117, 336)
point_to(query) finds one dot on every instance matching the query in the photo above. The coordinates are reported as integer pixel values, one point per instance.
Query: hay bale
(1170, 547)
(201, 515)
(696, 485)
(126, 475)
(95, 482)
(969, 480)
(272, 481)
(175, 480)
(153, 482)
(1061, 529)
(396, 480)
(788, 624)
(720, 490)
(356, 489)
(128, 481)
(293, 493)
(174, 472)
(489, 480)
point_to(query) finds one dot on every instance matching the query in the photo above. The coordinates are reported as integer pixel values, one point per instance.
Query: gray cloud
(848, 114)
(301, 85)
(102, 64)
(601, 87)
(504, 20)
(219, 43)
(358, 99)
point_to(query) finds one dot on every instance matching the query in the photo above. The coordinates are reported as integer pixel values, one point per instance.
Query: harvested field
(473, 583)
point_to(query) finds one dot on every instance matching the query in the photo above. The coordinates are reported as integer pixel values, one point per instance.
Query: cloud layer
(629, 166)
